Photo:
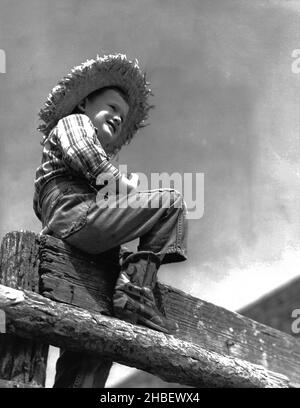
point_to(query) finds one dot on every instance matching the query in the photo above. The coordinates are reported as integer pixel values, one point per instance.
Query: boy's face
(107, 111)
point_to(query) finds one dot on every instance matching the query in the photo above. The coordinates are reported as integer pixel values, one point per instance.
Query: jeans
(74, 212)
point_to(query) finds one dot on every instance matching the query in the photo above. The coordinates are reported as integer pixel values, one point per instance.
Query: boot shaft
(133, 299)
(142, 268)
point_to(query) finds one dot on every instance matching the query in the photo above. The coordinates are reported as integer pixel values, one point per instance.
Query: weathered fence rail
(34, 316)
(214, 346)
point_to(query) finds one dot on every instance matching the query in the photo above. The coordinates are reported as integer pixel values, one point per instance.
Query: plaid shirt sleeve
(81, 149)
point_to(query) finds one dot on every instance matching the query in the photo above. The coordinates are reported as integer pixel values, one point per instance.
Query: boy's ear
(81, 106)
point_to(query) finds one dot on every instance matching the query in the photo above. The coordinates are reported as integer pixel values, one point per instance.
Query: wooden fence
(54, 294)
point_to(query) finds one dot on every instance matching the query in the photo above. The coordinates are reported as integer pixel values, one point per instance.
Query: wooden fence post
(22, 362)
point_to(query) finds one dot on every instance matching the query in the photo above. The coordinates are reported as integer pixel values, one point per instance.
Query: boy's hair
(92, 95)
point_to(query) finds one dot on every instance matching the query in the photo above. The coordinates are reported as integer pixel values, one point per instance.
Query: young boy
(87, 118)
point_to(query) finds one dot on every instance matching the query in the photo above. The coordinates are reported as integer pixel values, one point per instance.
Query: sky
(226, 106)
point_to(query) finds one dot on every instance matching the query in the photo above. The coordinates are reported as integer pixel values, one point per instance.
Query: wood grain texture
(170, 358)
(74, 277)
(71, 277)
(21, 360)
(232, 334)
(275, 308)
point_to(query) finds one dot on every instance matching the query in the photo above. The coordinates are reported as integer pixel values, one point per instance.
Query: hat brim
(110, 70)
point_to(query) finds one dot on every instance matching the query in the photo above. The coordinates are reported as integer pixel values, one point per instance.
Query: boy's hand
(133, 180)
(127, 184)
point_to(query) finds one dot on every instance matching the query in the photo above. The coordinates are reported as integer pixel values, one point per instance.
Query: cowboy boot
(133, 299)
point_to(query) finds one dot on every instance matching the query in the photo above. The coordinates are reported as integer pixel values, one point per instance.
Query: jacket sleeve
(81, 149)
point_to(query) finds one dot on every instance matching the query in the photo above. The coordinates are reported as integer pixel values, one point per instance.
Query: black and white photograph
(150, 197)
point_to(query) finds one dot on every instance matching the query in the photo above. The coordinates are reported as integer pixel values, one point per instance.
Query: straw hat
(109, 70)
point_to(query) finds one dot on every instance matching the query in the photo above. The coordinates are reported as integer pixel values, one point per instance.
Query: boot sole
(137, 319)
